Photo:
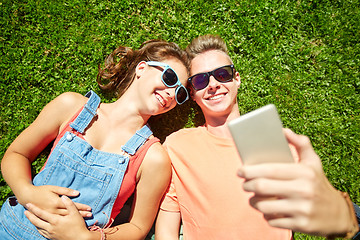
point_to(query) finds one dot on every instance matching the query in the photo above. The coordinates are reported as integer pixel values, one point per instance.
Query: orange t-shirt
(207, 191)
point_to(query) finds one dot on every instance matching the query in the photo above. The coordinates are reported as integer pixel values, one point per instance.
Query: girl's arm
(16, 163)
(154, 176)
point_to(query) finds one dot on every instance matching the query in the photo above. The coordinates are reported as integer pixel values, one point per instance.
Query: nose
(213, 83)
(170, 93)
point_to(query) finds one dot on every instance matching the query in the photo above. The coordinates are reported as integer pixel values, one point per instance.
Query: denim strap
(87, 114)
(137, 140)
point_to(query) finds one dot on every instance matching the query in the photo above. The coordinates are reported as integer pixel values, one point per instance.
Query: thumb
(304, 148)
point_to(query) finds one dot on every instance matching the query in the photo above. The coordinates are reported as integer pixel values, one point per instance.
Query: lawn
(303, 56)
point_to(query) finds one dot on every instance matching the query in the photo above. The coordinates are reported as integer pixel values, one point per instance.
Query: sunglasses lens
(223, 74)
(200, 81)
(169, 77)
(181, 95)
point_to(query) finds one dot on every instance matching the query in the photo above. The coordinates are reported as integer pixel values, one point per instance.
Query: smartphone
(259, 138)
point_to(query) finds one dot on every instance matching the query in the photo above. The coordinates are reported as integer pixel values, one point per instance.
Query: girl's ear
(140, 68)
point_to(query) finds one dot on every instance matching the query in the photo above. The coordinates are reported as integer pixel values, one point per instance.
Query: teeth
(160, 99)
(216, 97)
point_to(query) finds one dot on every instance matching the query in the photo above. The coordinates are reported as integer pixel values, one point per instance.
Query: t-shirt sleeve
(170, 201)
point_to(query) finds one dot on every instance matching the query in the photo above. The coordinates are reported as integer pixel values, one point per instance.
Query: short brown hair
(205, 43)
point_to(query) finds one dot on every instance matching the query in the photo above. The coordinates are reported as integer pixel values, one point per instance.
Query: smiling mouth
(216, 97)
(160, 99)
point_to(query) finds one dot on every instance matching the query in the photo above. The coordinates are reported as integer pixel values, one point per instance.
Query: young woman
(102, 153)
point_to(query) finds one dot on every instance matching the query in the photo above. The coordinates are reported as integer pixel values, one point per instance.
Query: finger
(84, 210)
(38, 223)
(85, 214)
(273, 207)
(280, 171)
(264, 187)
(297, 224)
(61, 212)
(70, 206)
(65, 212)
(65, 191)
(292, 189)
(304, 148)
(283, 222)
(82, 207)
(36, 216)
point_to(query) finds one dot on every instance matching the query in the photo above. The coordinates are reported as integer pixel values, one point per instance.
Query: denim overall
(75, 164)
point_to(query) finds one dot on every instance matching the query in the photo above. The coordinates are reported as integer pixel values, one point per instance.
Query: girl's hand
(58, 227)
(48, 198)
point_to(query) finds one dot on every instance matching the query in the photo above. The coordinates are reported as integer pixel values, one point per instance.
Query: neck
(217, 124)
(123, 114)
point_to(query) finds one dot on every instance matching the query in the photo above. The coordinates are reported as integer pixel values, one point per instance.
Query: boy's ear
(237, 78)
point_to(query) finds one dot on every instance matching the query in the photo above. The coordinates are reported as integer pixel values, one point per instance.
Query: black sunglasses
(222, 74)
(170, 79)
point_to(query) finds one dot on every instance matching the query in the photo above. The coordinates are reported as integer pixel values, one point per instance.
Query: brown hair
(119, 70)
(205, 43)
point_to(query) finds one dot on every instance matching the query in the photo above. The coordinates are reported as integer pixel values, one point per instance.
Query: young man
(205, 194)
(209, 199)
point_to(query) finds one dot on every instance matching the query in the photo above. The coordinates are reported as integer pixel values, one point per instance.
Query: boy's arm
(167, 225)
(169, 217)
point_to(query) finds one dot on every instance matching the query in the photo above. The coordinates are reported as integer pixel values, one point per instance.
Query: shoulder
(157, 155)
(64, 106)
(70, 100)
(156, 159)
(185, 135)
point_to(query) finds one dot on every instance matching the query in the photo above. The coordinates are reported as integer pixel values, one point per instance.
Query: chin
(217, 106)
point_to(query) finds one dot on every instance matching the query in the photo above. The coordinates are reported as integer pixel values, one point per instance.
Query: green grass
(303, 56)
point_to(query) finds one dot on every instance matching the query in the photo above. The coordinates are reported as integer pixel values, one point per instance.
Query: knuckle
(309, 173)
(302, 223)
(304, 140)
(308, 190)
(260, 186)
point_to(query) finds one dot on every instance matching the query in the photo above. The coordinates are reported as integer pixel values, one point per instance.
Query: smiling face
(157, 97)
(217, 99)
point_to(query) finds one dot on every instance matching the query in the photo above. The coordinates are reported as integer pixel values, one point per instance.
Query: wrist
(351, 225)
(93, 235)
(24, 193)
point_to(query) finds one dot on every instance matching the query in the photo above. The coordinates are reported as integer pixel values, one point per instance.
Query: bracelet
(98, 229)
(103, 237)
(94, 227)
(355, 227)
